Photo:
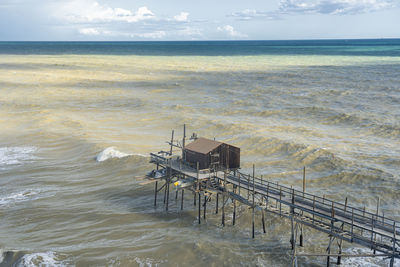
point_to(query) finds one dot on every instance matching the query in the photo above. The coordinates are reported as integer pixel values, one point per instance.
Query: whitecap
(111, 152)
(43, 259)
(365, 261)
(16, 155)
(1, 256)
(18, 197)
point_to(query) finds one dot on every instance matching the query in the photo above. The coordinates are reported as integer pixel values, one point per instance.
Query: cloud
(89, 31)
(228, 29)
(90, 18)
(183, 16)
(92, 11)
(334, 6)
(331, 7)
(249, 14)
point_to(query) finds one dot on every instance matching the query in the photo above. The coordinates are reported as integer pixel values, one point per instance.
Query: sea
(79, 119)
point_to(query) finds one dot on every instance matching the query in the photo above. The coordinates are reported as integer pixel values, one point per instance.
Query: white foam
(18, 197)
(367, 261)
(40, 259)
(109, 153)
(1, 255)
(16, 155)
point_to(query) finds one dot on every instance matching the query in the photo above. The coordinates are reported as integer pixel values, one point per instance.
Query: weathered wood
(172, 142)
(199, 208)
(263, 220)
(205, 207)
(253, 206)
(216, 203)
(155, 194)
(339, 221)
(182, 199)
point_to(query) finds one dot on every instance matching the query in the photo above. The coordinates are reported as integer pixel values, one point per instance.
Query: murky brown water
(336, 115)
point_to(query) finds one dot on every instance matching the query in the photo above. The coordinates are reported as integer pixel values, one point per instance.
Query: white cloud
(228, 29)
(332, 7)
(249, 14)
(183, 16)
(92, 11)
(91, 18)
(150, 35)
(89, 31)
(191, 32)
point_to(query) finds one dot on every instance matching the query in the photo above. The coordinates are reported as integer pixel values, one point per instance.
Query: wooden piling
(223, 209)
(199, 208)
(182, 199)
(263, 220)
(292, 232)
(304, 180)
(172, 142)
(254, 204)
(394, 244)
(205, 207)
(166, 205)
(216, 203)
(234, 207)
(155, 194)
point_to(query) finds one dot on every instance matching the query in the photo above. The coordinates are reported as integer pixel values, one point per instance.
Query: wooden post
(239, 182)
(223, 209)
(199, 207)
(329, 251)
(216, 204)
(330, 235)
(362, 230)
(352, 223)
(339, 259)
(194, 195)
(377, 206)
(313, 209)
(294, 257)
(248, 187)
(166, 206)
(223, 201)
(252, 216)
(301, 236)
(165, 190)
(263, 220)
(205, 206)
(304, 180)
(292, 232)
(183, 141)
(394, 244)
(155, 195)
(172, 141)
(182, 199)
(280, 200)
(234, 213)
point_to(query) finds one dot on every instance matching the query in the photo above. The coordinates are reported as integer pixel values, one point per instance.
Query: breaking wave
(43, 259)
(112, 152)
(16, 155)
(109, 153)
(18, 197)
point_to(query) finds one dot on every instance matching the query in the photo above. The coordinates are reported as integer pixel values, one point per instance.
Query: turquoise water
(79, 119)
(367, 47)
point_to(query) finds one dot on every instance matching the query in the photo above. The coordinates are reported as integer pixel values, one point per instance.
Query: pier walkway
(340, 221)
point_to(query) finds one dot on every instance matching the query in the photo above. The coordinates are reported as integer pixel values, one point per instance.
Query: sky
(164, 20)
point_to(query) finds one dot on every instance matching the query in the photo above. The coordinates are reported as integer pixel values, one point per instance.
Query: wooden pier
(340, 221)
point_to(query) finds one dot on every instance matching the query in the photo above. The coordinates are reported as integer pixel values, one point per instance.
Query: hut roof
(203, 145)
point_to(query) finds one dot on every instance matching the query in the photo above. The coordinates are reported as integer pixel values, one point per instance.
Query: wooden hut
(211, 154)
